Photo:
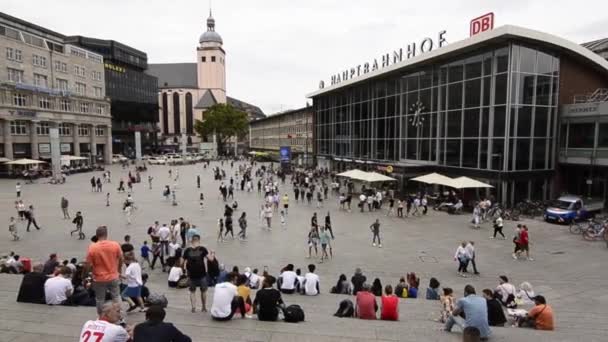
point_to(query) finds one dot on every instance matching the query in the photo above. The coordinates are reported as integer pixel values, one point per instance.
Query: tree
(224, 121)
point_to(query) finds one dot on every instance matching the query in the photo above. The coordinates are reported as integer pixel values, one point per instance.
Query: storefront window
(581, 135)
(522, 161)
(602, 140)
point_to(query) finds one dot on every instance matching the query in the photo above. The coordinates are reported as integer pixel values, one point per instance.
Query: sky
(277, 51)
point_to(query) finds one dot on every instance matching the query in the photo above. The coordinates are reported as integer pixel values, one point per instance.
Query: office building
(292, 128)
(46, 82)
(485, 107)
(132, 92)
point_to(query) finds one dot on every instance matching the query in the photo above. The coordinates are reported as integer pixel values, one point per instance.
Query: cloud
(277, 51)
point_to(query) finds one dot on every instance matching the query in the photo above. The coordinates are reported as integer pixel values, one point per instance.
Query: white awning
(466, 182)
(434, 178)
(378, 177)
(70, 158)
(353, 174)
(25, 161)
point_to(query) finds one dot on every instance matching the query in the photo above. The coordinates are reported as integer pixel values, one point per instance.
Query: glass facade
(492, 111)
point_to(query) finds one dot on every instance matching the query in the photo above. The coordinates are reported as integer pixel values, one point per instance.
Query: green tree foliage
(223, 120)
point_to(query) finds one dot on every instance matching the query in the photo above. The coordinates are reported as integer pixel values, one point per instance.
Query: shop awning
(354, 174)
(4, 160)
(70, 158)
(434, 178)
(378, 177)
(25, 161)
(466, 182)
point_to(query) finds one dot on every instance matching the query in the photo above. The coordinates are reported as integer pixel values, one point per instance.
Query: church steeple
(210, 22)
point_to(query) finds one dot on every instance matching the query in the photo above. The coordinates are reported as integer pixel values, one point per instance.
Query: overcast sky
(278, 50)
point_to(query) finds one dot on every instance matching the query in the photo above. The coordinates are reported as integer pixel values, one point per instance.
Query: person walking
(78, 221)
(285, 201)
(462, 256)
(524, 243)
(243, 225)
(220, 228)
(470, 247)
(198, 181)
(64, 207)
(31, 218)
(375, 228)
(99, 185)
(328, 225)
(150, 182)
(399, 208)
(18, 189)
(105, 260)
(93, 184)
(268, 216)
(498, 225)
(12, 228)
(476, 216)
(391, 206)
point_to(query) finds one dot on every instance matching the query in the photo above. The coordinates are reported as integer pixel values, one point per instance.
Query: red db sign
(481, 24)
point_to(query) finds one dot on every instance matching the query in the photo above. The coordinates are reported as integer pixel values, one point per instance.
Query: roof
(31, 26)
(253, 111)
(496, 35)
(174, 75)
(597, 45)
(287, 112)
(206, 101)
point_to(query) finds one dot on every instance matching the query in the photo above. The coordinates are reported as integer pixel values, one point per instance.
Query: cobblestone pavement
(568, 271)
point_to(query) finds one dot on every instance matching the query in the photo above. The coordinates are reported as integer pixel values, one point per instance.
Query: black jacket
(150, 331)
(496, 317)
(32, 288)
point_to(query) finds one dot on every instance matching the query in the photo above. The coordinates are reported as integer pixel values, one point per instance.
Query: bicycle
(596, 232)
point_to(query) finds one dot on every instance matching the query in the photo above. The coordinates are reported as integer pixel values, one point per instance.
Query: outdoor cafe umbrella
(466, 182)
(378, 177)
(25, 161)
(434, 178)
(354, 174)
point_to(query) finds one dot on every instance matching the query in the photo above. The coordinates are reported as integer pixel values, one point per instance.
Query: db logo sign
(481, 24)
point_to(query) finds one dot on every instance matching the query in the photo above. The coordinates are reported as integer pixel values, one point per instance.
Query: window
(84, 107)
(62, 84)
(14, 54)
(15, 75)
(96, 75)
(65, 129)
(80, 71)
(581, 135)
(100, 109)
(44, 102)
(18, 127)
(42, 128)
(9, 32)
(19, 99)
(99, 131)
(98, 91)
(203, 59)
(33, 40)
(602, 139)
(213, 58)
(61, 66)
(65, 105)
(40, 80)
(81, 88)
(39, 61)
(78, 52)
(83, 131)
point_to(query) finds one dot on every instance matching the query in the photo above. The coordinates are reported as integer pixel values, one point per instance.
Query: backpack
(157, 299)
(346, 309)
(183, 282)
(293, 314)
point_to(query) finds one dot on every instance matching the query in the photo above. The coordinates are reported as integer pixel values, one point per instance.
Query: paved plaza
(568, 271)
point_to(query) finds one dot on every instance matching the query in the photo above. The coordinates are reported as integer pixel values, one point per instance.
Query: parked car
(570, 208)
(118, 158)
(174, 159)
(160, 160)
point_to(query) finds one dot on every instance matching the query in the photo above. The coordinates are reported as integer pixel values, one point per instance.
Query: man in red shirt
(390, 305)
(105, 259)
(524, 243)
(366, 303)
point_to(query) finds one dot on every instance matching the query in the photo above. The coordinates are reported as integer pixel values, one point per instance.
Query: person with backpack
(268, 301)
(506, 292)
(78, 221)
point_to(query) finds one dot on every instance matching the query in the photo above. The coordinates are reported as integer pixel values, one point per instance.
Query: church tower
(211, 63)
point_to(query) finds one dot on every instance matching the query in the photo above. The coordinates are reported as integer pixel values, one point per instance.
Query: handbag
(183, 282)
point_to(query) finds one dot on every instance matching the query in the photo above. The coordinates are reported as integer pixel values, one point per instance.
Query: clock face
(416, 108)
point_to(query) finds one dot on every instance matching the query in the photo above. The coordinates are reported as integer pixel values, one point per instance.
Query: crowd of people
(113, 272)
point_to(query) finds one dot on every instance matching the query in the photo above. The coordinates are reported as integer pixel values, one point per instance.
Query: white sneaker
(491, 237)
(530, 259)
(374, 244)
(514, 256)
(380, 246)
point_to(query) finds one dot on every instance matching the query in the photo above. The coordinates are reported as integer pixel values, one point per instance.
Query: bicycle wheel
(589, 234)
(575, 228)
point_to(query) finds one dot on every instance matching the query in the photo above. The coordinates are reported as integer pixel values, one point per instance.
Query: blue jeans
(454, 320)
